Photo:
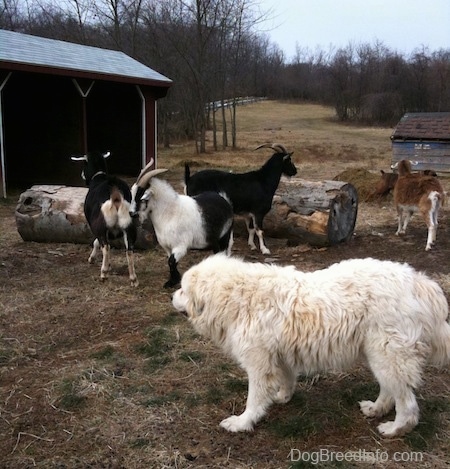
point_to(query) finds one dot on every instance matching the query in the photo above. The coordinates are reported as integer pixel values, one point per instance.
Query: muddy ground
(102, 375)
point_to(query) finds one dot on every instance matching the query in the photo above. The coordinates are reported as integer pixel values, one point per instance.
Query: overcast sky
(401, 25)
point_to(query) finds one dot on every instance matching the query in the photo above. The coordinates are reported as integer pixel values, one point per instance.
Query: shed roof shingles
(38, 51)
(423, 126)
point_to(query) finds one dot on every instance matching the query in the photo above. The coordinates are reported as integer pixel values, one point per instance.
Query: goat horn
(278, 147)
(145, 178)
(145, 169)
(79, 158)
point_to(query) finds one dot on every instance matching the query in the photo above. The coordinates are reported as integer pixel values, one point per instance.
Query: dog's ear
(196, 301)
(197, 304)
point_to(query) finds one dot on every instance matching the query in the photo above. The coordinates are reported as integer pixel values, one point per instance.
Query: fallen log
(318, 213)
(55, 214)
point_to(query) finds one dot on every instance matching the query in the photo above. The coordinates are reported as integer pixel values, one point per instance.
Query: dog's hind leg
(287, 381)
(406, 418)
(380, 407)
(397, 367)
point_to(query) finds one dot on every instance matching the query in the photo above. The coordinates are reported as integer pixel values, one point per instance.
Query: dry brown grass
(102, 375)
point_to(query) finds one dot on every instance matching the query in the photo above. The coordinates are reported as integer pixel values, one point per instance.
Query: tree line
(215, 55)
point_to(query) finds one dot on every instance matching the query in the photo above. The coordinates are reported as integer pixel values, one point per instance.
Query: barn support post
(143, 132)
(2, 138)
(84, 95)
(148, 118)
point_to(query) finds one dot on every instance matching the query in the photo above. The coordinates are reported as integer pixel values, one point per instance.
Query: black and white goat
(107, 211)
(250, 193)
(181, 222)
(417, 193)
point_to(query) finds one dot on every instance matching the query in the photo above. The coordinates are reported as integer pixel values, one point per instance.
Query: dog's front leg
(258, 400)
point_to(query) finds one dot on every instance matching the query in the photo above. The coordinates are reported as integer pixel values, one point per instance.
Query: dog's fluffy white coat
(278, 322)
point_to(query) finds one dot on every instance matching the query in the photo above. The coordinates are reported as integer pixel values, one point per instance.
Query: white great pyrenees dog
(278, 322)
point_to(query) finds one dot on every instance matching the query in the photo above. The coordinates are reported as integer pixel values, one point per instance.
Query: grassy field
(322, 147)
(101, 375)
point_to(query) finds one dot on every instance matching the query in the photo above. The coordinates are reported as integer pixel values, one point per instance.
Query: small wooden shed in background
(423, 137)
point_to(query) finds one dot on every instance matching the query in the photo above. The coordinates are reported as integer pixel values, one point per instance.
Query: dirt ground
(102, 375)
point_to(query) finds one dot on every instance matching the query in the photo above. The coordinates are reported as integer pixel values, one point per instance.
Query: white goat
(182, 222)
(417, 193)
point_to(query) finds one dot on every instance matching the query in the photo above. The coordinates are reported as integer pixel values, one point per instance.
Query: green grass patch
(235, 385)
(70, 398)
(423, 437)
(140, 443)
(215, 395)
(192, 356)
(156, 349)
(156, 401)
(106, 353)
(172, 318)
(351, 395)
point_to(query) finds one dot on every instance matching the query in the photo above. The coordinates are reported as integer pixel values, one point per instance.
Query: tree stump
(318, 213)
(55, 214)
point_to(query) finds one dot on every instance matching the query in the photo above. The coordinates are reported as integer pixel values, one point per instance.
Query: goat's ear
(285, 157)
(106, 155)
(147, 194)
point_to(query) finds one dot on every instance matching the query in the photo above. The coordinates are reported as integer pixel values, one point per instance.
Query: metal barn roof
(423, 126)
(32, 53)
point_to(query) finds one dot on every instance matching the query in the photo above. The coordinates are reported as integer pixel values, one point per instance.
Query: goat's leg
(262, 246)
(258, 223)
(130, 260)
(94, 252)
(249, 221)
(175, 276)
(106, 262)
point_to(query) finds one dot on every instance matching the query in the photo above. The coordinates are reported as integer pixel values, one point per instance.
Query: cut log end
(318, 213)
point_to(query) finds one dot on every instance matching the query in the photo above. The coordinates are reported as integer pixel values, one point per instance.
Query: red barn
(59, 98)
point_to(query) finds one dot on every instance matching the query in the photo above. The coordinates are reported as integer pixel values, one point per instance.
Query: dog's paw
(282, 396)
(389, 429)
(368, 409)
(236, 424)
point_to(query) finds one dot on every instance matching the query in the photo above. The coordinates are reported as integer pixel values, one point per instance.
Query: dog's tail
(440, 333)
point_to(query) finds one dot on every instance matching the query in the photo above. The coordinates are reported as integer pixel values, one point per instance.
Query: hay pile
(364, 182)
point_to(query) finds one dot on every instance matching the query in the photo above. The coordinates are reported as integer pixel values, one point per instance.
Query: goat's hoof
(171, 283)
(134, 282)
